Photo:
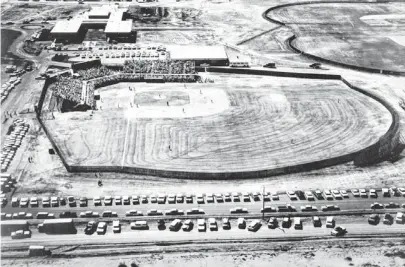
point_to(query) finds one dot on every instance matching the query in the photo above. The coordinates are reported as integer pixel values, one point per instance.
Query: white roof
(99, 12)
(118, 26)
(68, 26)
(183, 52)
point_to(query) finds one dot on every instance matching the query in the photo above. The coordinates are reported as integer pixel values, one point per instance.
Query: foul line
(125, 144)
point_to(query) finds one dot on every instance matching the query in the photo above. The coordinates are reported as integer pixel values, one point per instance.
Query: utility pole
(263, 202)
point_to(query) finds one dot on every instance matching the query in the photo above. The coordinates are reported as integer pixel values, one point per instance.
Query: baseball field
(239, 123)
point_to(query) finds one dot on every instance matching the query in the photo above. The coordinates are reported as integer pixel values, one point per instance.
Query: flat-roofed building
(66, 30)
(118, 29)
(99, 13)
(201, 54)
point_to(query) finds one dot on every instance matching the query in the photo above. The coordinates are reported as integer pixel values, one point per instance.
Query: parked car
(97, 201)
(212, 224)
(254, 225)
(338, 231)
(236, 197)
(363, 193)
(179, 198)
(401, 191)
(273, 223)
(330, 208)
(376, 205)
(126, 200)
(201, 225)
(118, 200)
(269, 209)
(309, 208)
(154, 212)
(246, 197)
(297, 223)
(372, 193)
(209, 197)
(391, 205)
(327, 194)
(292, 195)
(317, 221)
(241, 223)
(68, 214)
(109, 213)
(386, 192)
(83, 202)
(330, 222)
(226, 225)
(374, 219)
(116, 227)
(355, 192)
(187, 225)
(309, 196)
(135, 200)
(219, 197)
(200, 199)
(399, 218)
(336, 194)
(132, 213)
(101, 228)
(388, 219)
(195, 211)
(174, 212)
(189, 198)
(286, 223)
(171, 199)
(34, 202)
(161, 224)
(24, 202)
(344, 193)
(238, 210)
(108, 200)
(71, 201)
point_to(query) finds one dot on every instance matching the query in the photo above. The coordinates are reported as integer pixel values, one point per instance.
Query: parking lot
(227, 204)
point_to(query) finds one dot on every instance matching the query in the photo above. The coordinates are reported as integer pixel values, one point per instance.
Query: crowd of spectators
(159, 66)
(94, 72)
(67, 88)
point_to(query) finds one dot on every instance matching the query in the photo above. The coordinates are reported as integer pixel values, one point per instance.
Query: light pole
(263, 202)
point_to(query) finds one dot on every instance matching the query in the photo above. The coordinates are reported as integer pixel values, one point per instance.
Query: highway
(221, 208)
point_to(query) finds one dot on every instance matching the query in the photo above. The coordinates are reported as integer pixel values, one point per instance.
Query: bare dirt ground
(367, 253)
(337, 32)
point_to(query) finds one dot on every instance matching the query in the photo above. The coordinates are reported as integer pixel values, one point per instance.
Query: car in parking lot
(161, 199)
(309, 208)
(330, 222)
(109, 213)
(108, 200)
(175, 225)
(83, 202)
(54, 201)
(212, 224)
(336, 194)
(286, 223)
(34, 202)
(143, 199)
(388, 219)
(116, 227)
(139, 225)
(189, 198)
(238, 210)
(254, 225)
(90, 228)
(269, 209)
(374, 219)
(256, 196)
(101, 228)
(201, 227)
(363, 193)
(246, 197)
(273, 223)
(297, 223)
(154, 212)
(195, 211)
(372, 193)
(376, 205)
(89, 214)
(292, 195)
(401, 191)
(135, 200)
(330, 208)
(68, 214)
(227, 197)
(133, 213)
(209, 197)
(187, 225)
(399, 218)
(219, 197)
(97, 201)
(327, 194)
(171, 199)
(71, 201)
(355, 192)
(309, 196)
(153, 199)
(241, 223)
(236, 197)
(226, 225)
(126, 200)
(386, 192)
(20, 234)
(118, 200)
(266, 197)
(24, 202)
(286, 208)
(316, 220)
(344, 193)
(275, 197)
(391, 205)
(15, 202)
(179, 198)
(42, 215)
(200, 199)
(174, 212)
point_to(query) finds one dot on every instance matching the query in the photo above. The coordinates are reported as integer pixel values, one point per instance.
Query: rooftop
(99, 12)
(197, 52)
(118, 26)
(67, 26)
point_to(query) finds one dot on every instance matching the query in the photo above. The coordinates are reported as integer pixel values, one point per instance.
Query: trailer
(7, 227)
(57, 226)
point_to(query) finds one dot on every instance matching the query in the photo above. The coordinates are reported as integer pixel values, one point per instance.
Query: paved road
(218, 209)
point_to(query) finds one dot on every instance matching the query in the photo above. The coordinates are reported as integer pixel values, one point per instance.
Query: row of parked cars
(342, 194)
(387, 218)
(138, 54)
(211, 224)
